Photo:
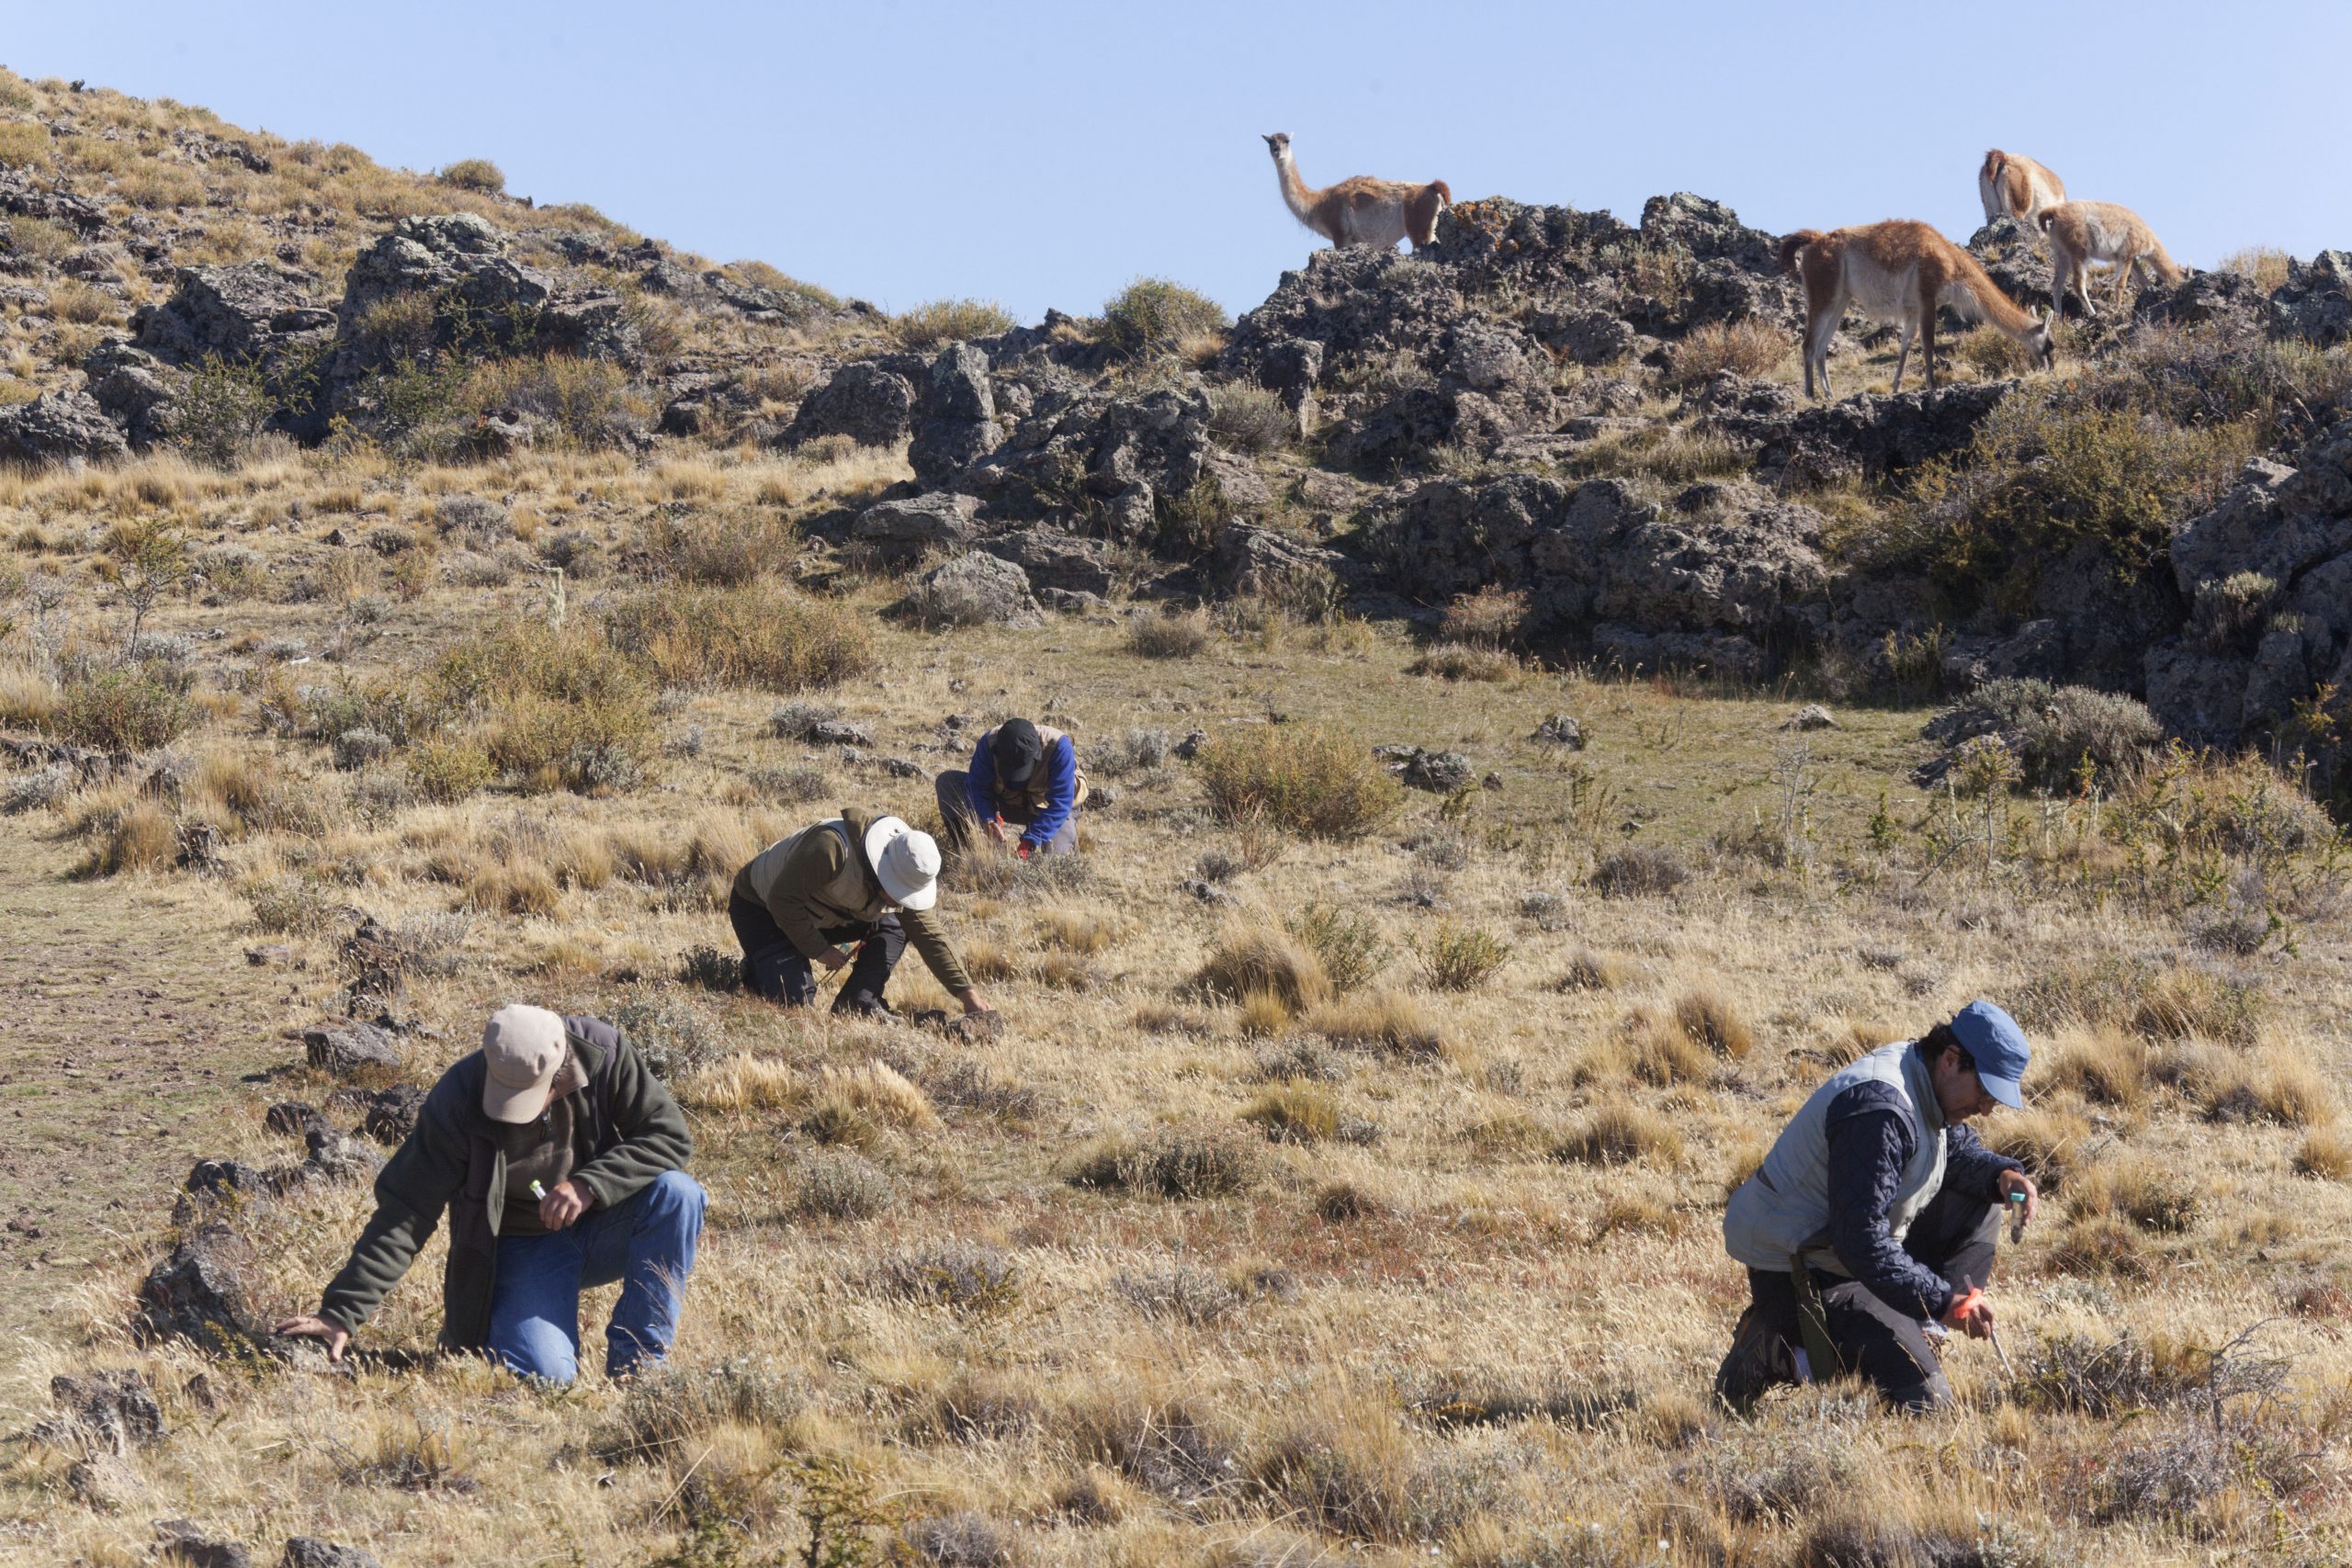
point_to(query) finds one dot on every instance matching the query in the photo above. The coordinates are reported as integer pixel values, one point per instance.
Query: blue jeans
(646, 1242)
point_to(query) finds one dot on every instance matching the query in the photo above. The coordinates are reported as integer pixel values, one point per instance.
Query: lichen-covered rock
(110, 1412)
(58, 427)
(955, 416)
(975, 589)
(346, 1049)
(871, 405)
(201, 1291)
(907, 530)
(1055, 561)
(245, 312)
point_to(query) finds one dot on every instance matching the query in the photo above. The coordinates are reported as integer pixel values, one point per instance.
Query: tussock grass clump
(1708, 1017)
(1173, 1163)
(133, 835)
(1462, 958)
(1310, 778)
(2326, 1154)
(1387, 1021)
(2266, 264)
(1454, 661)
(1294, 1114)
(1251, 419)
(2171, 1002)
(1263, 1014)
(1172, 634)
(1169, 1444)
(1619, 1132)
(2101, 1244)
(1256, 960)
(549, 710)
(1651, 1046)
(1153, 316)
(723, 549)
(1493, 617)
(2052, 1144)
(882, 1092)
(1590, 969)
(2276, 1086)
(939, 322)
(2104, 1064)
(746, 636)
(2136, 1189)
(1639, 871)
(744, 1083)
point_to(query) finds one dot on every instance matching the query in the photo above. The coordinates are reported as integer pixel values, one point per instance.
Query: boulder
(102, 1484)
(178, 1540)
(1251, 559)
(955, 422)
(392, 1113)
(336, 1156)
(376, 960)
(293, 1118)
(975, 589)
(310, 1552)
(907, 530)
(245, 312)
(350, 1048)
(200, 1292)
(1866, 433)
(2316, 302)
(1560, 729)
(1440, 773)
(110, 1411)
(1812, 715)
(58, 427)
(1055, 563)
(872, 406)
(2017, 258)
(129, 385)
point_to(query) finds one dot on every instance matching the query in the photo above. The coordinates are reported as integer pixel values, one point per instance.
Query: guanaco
(1898, 272)
(2013, 185)
(2085, 232)
(1360, 210)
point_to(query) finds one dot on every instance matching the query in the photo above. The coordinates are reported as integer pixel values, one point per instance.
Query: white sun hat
(523, 1048)
(906, 861)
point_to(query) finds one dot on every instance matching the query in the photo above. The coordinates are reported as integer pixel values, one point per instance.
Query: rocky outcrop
(2267, 577)
(2316, 302)
(58, 427)
(133, 388)
(974, 589)
(1865, 434)
(248, 312)
(954, 418)
(1053, 560)
(871, 405)
(906, 530)
(200, 1292)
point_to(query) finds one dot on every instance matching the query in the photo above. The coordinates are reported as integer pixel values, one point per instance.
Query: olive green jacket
(627, 1132)
(819, 879)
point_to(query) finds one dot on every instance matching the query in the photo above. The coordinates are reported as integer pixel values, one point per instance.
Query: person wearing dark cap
(558, 1157)
(1869, 1231)
(1022, 775)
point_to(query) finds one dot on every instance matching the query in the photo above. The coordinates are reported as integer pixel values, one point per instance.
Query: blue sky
(1044, 154)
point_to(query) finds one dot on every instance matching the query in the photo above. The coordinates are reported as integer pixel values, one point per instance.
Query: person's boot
(863, 1004)
(1758, 1361)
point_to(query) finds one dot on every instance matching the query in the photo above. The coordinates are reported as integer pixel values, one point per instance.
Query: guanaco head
(2042, 343)
(1278, 143)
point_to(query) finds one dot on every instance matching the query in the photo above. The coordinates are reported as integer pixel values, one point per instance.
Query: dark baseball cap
(1018, 750)
(1997, 1045)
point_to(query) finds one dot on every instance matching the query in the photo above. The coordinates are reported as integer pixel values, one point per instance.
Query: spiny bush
(1310, 778)
(1173, 1164)
(1638, 870)
(1349, 944)
(590, 402)
(1152, 316)
(444, 769)
(747, 636)
(956, 1275)
(551, 710)
(938, 321)
(1294, 1114)
(477, 174)
(1492, 618)
(1750, 347)
(1462, 958)
(1249, 419)
(133, 708)
(724, 548)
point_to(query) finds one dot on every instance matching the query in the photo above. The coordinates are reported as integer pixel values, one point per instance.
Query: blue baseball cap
(1998, 1046)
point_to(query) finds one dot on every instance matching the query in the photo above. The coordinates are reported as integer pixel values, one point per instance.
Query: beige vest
(1037, 794)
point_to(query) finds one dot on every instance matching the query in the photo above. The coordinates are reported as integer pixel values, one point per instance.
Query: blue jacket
(1869, 1143)
(1061, 767)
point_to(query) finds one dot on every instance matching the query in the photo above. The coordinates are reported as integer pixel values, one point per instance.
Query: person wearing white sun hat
(850, 892)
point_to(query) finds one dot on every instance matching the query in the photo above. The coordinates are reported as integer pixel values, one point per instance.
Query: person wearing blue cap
(1868, 1230)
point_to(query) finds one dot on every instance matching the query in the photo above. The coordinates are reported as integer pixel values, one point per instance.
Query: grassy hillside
(1346, 1183)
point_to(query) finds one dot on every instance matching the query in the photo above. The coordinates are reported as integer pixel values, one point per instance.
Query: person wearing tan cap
(850, 892)
(559, 1157)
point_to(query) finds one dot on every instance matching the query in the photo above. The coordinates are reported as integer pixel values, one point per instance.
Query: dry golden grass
(1254, 960)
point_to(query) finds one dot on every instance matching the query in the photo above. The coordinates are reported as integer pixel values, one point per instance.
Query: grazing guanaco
(1898, 272)
(2085, 232)
(1362, 211)
(2014, 186)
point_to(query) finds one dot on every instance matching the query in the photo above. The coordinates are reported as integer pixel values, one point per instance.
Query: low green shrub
(131, 708)
(1153, 315)
(941, 321)
(477, 174)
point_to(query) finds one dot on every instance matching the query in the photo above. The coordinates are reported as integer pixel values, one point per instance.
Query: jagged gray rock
(908, 529)
(247, 312)
(871, 405)
(309, 1552)
(200, 1292)
(345, 1049)
(1053, 561)
(58, 427)
(975, 589)
(131, 387)
(955, 416)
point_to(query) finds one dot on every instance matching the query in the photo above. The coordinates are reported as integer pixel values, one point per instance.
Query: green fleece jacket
(626, 1132)
(811, 881)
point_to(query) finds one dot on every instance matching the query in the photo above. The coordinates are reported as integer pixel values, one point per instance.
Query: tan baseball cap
(523, 1049)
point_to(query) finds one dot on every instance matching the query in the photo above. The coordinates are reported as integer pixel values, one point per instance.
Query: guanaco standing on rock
(2085, 232)
(1362, 211)
(2014, 186)
(1898, 272)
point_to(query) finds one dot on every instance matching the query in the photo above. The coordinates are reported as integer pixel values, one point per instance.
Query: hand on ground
(565, 1204)
(310, 1328)
(973, 1001)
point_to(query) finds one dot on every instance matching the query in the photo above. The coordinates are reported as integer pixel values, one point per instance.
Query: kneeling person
(558, 1157)
(1023, 774)
(853, 891)
(1875, 1216)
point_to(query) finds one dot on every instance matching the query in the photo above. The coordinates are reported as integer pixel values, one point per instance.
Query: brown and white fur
(1362, 211)
(1898, 272)
(2013, 185)
(2085, 232)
